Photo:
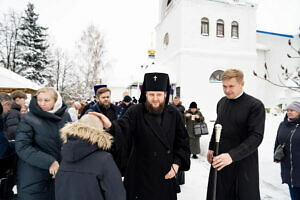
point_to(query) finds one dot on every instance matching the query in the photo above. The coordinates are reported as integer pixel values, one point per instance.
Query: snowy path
(270, 182)
(196, 183)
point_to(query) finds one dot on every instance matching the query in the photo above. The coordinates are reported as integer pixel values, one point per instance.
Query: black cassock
(153, 148)
(242, 121)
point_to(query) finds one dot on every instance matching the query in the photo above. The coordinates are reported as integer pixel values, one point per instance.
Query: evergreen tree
(33, 43)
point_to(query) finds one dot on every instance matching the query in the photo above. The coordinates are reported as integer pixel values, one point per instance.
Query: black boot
(194, 156)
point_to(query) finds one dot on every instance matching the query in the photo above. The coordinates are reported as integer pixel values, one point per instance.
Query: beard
(155, 111)
(106, 106)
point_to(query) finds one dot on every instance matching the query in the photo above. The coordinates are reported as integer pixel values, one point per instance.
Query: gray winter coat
(38, 146)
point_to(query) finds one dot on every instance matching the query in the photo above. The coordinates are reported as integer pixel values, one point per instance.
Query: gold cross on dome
(155, 77)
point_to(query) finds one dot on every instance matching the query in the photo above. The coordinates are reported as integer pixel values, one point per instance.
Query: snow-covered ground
(270, 180)
(196, 178)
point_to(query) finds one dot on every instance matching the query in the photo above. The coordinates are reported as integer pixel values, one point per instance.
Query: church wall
(172, 24)
(275, 55)
(191, 58)
(195, 84)
(194, 11)
(195, 57)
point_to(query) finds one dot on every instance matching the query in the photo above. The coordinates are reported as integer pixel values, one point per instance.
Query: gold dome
(151, 52)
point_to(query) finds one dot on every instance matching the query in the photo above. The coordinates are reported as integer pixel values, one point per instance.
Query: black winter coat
(38, 145)
(6, 148)
(11, 121)
(290, 164)
(180, 108)
(154, 148)
(87, 172)
(242, 121)
(125, 108)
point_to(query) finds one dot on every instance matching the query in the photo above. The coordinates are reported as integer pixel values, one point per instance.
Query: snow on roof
(10, 79)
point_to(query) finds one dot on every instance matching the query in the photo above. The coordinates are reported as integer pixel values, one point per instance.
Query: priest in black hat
(159, 143)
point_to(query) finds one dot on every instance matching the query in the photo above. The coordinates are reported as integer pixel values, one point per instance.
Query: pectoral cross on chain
(155, 77)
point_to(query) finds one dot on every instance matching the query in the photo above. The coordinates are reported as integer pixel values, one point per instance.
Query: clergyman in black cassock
(159, 142)
(242, 118)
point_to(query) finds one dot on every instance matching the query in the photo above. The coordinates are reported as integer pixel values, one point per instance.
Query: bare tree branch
(294, 76)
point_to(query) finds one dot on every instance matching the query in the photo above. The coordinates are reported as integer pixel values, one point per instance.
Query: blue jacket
(96, 108)
(290, 164)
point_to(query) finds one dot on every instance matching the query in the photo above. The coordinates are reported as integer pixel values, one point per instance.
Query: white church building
(196, 40)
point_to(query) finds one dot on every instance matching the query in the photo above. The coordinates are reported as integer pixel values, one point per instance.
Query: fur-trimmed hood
(81, 140)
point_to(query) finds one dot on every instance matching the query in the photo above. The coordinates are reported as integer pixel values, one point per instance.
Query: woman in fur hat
(87, 171)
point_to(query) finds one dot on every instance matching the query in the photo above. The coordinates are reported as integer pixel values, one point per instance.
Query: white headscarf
(58, 103)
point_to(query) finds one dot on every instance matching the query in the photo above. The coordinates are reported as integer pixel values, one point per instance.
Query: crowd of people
(52, 150)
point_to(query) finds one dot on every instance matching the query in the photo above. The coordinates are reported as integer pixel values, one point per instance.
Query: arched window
(235, 30)
(220, 28)
(204, 26)
(216, 76)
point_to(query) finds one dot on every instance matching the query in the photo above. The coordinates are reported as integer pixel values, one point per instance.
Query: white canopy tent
(10, 81)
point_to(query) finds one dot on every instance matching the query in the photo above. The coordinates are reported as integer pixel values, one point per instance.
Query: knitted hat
(193, 105)
(127, 98)
(295, 105)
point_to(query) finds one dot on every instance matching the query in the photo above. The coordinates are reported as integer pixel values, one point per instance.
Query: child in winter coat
(87, 171)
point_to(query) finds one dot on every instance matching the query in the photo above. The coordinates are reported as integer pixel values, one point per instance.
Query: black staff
(218, 128)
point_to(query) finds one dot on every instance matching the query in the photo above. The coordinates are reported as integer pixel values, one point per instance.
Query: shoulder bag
(279, 151)
(200, 128)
